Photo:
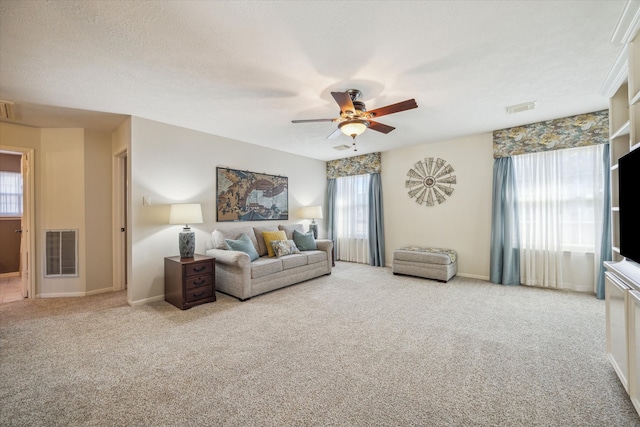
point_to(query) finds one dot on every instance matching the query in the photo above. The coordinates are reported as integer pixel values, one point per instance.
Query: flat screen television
(629, 202)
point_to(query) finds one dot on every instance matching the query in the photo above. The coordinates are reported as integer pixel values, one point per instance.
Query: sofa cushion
(314, 257)
(220, 234)
(288, 229)
(264, 266)
(305, 241)
(284, 247)
(243, 243)
(294, 260)
(270, 236)
(262, 247)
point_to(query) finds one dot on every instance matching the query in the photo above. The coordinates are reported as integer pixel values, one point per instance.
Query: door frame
(28, 240)
(119, 238)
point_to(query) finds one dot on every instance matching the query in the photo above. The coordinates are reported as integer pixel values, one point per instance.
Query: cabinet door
(616, 294)
(634, 347)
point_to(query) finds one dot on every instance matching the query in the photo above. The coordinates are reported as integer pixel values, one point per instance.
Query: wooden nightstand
(189, 281)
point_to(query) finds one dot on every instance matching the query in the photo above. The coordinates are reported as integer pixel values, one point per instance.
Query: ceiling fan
(354, 117)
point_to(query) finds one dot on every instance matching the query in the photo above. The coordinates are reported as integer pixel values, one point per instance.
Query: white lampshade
(186, 213)
(353, 128)
(312, 212)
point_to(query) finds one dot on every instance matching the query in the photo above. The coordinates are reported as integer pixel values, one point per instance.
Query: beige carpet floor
(360, 347)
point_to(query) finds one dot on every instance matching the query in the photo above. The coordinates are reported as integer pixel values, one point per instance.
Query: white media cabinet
(622, 301)
(622, 278)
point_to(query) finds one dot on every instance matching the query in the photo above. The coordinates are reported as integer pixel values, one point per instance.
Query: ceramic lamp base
(314, 227)
(187, 244)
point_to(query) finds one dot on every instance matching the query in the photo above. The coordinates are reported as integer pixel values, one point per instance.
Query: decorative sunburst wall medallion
(430, 180)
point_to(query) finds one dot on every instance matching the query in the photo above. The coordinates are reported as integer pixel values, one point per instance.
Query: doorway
(20, 219)
(120, 225)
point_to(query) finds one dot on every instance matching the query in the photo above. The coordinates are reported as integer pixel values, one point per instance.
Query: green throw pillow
(243, 244)
(305, 241)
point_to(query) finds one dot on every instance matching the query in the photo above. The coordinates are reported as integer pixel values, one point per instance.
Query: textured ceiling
(245, 69)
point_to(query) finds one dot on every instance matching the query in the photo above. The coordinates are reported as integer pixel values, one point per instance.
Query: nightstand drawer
(198, 281)
(198, 268)
(199, 293)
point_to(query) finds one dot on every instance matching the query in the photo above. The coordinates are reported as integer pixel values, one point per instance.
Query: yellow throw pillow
(272, 235)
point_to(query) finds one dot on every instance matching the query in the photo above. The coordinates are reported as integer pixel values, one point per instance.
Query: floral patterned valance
(358, 165)
(574, 131)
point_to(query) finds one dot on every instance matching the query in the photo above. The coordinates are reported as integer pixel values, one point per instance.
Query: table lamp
(312, 212)
(186, 213)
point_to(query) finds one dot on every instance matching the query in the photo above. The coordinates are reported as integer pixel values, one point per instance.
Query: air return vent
(7, 111)
(61, 253)
(520, 107)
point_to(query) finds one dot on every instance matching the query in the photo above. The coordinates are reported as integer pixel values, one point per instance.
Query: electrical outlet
(146, 200)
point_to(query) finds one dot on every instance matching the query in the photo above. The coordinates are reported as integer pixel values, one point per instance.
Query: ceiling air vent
(341, 147)
(520, 107)
(7, 111)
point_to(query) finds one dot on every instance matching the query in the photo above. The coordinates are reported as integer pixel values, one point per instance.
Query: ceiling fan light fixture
(354, 127)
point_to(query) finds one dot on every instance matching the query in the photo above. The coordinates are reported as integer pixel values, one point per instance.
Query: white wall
(170, 164)
(61, 206)
(462, 222)
(97, 204)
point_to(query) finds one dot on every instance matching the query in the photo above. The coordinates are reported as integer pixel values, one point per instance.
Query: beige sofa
(237, 276)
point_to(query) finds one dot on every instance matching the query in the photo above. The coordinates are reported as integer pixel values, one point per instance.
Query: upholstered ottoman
(430, 263)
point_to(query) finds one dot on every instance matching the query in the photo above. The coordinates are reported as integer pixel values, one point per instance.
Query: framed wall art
(250, 196)
(430, 181)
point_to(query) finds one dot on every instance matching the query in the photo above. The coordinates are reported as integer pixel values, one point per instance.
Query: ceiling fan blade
(336, 133)
(380, 127)
(394, 108)
(344, 101)
(312, 120)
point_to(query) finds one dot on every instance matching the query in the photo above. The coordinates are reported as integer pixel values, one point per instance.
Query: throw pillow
(288, 229)
(233, 233)
(269, 236)
(257, 231)
(243, 244)
(305, 241)
(284, 247)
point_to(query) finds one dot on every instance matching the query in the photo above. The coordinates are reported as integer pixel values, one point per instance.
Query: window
(352, 218)
(10, 194)
(560, 195)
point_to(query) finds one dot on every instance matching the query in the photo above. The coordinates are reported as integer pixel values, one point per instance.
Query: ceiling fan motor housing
(359, 106)
(354, 118)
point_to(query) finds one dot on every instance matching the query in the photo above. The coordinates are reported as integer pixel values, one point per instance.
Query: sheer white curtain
(352, 218)
(560, 206)
(10, 194)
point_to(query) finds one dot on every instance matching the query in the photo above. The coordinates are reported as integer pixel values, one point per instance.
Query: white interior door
(120, 206)
(27, 226)
(27, 235)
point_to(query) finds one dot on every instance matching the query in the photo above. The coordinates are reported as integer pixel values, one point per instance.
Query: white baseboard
(146, 301)
(61, 295)
(473, 276)
(75, 294)
(100, 291)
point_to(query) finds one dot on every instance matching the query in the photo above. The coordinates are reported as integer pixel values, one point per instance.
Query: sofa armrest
(234, 258)
(324, 245)
(233, 272)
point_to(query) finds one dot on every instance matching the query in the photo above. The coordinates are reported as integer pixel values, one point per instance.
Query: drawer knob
(199, 269)
(198, 295)
(199, 282)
